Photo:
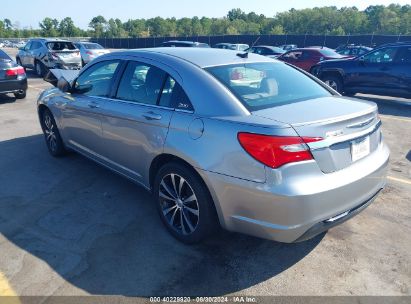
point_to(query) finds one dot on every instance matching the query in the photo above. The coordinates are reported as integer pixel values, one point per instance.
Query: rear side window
(35, 45)
(96, 80)
(404, 55)
(173, 96)
(141, 83)
(265, 85)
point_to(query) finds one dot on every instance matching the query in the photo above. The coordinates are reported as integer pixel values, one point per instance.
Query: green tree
(49, 27)
(67, 28)
(98, 25)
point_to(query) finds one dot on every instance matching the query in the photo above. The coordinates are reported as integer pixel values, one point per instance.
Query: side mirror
(361, 59)
(63, 85)
(82, 88)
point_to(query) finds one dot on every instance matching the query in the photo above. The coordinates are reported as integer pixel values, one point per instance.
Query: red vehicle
(308, 57)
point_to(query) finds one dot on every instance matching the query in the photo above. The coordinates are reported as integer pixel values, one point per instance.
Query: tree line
(393, 19)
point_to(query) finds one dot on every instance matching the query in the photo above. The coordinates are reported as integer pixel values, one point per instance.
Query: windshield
(60, 46)
(93, 46)
(269, 84)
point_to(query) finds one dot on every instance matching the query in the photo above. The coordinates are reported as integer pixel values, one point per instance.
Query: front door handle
(93, 105)
(152, 116)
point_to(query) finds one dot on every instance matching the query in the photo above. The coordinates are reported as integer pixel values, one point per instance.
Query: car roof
(49, 40)
(202, 57)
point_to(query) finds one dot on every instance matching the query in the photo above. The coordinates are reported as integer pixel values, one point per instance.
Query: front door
(83, 109)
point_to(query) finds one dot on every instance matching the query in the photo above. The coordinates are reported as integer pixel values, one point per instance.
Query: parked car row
(42, 54)
(10, 44)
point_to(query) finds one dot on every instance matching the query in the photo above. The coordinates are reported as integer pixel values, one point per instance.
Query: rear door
(136, 120)
(83, 110)
(401, 72)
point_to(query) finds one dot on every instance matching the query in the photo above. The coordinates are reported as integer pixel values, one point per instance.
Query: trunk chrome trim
(344, 138)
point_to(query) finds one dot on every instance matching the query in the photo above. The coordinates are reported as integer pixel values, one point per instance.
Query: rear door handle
(152, 116)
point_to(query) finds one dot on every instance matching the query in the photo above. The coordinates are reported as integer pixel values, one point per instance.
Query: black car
(179, 43)
(13, 78)
(266, 50)
(385, 70)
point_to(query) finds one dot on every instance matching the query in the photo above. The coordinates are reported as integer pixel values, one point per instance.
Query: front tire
(334, 82)
(51, 134)
(184, 203)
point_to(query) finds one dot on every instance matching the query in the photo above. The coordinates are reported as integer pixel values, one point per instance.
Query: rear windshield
(264, 85)
(4, 56)
(93, 46)
(61, 46)
(329, 53)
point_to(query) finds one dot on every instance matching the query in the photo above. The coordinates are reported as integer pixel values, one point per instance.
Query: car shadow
(101, 233)
(388, 106)
(4, 98)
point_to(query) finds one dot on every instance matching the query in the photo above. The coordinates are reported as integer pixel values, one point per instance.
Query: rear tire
(51, 134)
(334, 82)
(184, 203)
(20, 95)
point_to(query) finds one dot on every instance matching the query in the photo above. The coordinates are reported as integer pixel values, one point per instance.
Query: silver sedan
(222, 138)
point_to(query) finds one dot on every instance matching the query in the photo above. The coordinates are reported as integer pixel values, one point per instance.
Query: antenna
(245, 54)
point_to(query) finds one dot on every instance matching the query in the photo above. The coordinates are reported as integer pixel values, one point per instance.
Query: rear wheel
(52, 134)
(184, 203)
(334, 82)
(20, 94)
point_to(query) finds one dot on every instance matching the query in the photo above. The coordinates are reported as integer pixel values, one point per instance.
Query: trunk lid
(350, 128)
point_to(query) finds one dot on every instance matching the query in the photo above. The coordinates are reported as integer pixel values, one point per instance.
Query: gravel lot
(70, 227)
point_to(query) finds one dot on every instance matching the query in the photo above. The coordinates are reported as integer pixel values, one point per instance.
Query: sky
(30, 12)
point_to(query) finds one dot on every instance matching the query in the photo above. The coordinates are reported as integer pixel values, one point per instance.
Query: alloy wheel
(179, 204)
(49, 130)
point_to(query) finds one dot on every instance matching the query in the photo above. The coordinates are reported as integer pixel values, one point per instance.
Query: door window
(96, 80)
(141, 83)
(381, 55)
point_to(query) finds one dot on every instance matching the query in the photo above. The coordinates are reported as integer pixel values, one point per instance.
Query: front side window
(265, 85)
(381, 55)
(141, 83)
(96, 80)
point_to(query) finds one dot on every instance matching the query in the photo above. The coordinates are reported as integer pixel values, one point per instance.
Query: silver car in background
(220, 138)
(90, 51)
(45, 54)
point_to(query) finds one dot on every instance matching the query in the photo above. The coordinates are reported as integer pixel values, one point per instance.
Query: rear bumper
(298, 201)
(13, 85)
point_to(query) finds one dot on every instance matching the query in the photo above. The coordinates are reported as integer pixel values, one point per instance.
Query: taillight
(275, 151)
(89, 53)
(15, 71)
